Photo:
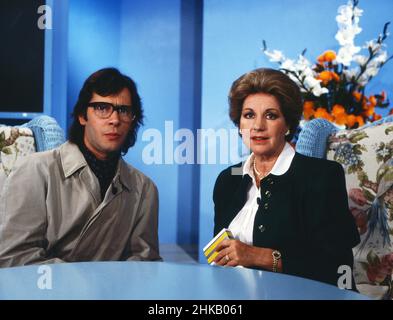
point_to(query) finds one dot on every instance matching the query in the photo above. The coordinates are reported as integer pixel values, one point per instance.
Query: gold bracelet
(276, 257)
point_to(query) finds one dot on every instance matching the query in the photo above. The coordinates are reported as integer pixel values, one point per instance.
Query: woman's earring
(288, 132)
(240, 131)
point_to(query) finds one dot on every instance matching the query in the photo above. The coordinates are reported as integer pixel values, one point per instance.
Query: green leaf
(385, 173)
(362, 176)
(388, 130)
(2, 136)
(354, 169)
(7, 150)
(355, 138)
(372, 258)
(369, 196)
(388, 176)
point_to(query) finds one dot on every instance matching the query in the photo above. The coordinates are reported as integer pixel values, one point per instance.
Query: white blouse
(243, 224)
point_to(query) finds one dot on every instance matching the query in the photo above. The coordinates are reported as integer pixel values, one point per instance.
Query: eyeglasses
(104, 110)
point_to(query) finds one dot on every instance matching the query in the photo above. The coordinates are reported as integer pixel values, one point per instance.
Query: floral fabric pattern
(366, 155)
(14, 143)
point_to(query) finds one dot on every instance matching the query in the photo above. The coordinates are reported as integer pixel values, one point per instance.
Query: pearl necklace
(260, 176)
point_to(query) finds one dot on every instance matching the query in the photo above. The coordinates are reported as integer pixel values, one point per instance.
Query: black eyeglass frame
(124, 111)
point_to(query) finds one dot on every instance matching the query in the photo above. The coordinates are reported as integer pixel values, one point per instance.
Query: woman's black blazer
(303, 213)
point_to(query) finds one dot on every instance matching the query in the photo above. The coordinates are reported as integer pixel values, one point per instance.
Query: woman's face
(263, 125)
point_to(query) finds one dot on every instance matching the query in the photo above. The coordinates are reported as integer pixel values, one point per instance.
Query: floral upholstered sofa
(40, 134)
(366, 155)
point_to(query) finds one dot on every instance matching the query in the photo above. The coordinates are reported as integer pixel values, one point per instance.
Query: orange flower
(322, 113)
(376, 117)
(308, 109)
(351, 120)
(327, 56)
(325, 76)
(373, 101)
(341, 119)
(321, 59)
(339, 114)
(308, 114)
(360, 120)
(338, 109)
(307, 105)
(369, 111)
(357, 95)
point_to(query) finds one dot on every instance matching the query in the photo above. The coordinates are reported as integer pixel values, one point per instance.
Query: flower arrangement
(334, 87)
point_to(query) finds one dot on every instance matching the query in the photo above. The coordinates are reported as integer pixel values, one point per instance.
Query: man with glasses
(82, 201)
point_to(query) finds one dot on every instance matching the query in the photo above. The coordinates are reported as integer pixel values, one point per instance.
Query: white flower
(363, 80)
(357, 12)
(346, 53)
(311, 82)
(349, 70)
(318, 91)
(314, 86)
(383, 152)
(308, 72)
(381, 58)
(346, 12)
(296, 80)
(275, 55)
(361, 60)
(346, 36)
(373, 45)
(303, 60)
(351, 73)
(289, 65)
(371, 71)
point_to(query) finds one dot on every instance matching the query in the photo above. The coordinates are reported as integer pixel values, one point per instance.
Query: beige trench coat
(50, 211)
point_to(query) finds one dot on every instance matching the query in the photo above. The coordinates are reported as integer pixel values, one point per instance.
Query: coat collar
(72, 160)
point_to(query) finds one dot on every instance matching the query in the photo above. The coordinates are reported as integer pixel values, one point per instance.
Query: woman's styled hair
(106, 82)
(272, 82)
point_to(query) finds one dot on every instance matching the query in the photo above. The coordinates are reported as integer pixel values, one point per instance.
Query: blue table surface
(158, 281)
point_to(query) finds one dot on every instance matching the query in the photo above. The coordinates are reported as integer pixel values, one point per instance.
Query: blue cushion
(383, 120)
(47, 132)
(314, 136)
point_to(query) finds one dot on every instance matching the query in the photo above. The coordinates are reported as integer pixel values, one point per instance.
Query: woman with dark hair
(288, 212)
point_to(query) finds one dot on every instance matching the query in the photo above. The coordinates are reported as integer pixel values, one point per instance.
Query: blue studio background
(184, 55)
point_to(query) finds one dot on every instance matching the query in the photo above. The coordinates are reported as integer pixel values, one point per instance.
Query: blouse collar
(281, 165)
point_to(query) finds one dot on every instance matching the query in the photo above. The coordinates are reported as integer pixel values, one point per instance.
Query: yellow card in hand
(210, 249)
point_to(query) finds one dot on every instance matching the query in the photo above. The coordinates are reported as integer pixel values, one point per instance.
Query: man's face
(104, 136)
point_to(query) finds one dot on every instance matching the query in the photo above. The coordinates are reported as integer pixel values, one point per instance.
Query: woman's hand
(234, 253)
